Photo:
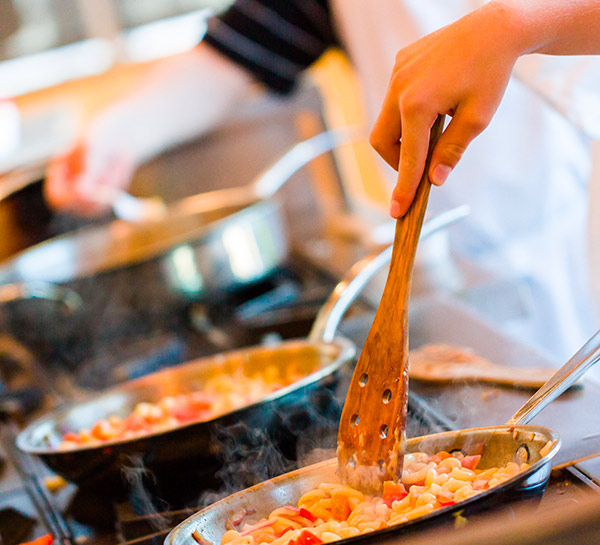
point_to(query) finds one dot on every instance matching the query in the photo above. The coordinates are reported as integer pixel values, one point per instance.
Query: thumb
(459, 133)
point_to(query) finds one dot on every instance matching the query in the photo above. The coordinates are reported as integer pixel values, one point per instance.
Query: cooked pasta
(334, 511)
(220, 394)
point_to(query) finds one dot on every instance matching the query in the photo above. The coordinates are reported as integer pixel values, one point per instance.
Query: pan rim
(10, 270)
(188, 524)
(347, 351)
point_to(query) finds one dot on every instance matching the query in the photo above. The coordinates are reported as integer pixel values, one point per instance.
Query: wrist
(517, 25)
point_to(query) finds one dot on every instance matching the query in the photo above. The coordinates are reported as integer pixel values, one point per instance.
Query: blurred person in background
(526, 177)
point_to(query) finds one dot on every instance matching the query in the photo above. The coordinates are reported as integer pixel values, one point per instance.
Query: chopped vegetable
(307, 514)
(393, 492)
(199, 539)
(44, 540)
(470, 462)
(308, 538)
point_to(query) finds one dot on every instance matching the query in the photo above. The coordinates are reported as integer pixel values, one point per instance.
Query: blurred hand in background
(182, 98)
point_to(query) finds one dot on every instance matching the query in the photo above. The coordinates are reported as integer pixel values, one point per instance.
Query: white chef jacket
(526, 177)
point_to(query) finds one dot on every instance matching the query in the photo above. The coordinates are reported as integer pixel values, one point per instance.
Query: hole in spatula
(364, 378)
(354, 420)
(383, 431)
(387, 396)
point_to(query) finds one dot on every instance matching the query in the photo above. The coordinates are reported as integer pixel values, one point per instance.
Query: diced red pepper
(470, 462)
(283, 531)
(72, 437)
(185, 413)
(393, 492)
(102, 430)
(308, 538)
(445, 498)
(307, 514)
(135, 422)
(442, 455)
(199, 401)
(44, 540)
(480, 484)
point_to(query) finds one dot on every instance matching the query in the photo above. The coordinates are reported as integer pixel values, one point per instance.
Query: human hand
(87, 179)
(461, 70)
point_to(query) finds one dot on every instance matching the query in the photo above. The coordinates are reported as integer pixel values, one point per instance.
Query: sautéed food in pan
(334, 511)
(220, 394)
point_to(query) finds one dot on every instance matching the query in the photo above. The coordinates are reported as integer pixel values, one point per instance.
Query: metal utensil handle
(566, 376)
(270, 180)
(348, 289)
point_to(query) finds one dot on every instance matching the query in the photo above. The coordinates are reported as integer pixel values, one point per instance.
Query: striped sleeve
(274, 39)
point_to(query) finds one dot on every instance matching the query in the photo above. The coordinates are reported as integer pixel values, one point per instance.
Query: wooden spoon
(440, 363)
(372, 428)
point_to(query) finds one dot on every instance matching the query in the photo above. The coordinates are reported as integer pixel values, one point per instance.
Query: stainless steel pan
(135, 278)
(321, 357)
(536, 445)
(202, 246)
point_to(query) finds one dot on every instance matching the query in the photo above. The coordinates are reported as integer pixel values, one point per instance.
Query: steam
(303, 432)
(135, 475)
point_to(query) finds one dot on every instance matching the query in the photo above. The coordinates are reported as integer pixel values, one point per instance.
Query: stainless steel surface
(501, 444)
(587, 356)
(328, 319)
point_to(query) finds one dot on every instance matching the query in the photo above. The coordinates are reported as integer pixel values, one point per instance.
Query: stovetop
(34, 502)
(281, 307)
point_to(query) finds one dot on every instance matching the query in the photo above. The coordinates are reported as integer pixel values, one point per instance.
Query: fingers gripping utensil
(372, 428)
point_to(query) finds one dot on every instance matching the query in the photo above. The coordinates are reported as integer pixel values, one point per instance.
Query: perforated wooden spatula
(372, 428)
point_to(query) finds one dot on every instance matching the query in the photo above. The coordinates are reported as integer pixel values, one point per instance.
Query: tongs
(372, 428)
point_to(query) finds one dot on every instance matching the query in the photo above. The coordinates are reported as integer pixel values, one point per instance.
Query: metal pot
(321, 356)
(204, 246)
(535, 445)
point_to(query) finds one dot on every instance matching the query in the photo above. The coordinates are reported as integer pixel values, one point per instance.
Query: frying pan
(536, 445)
(320, 357)
(203, 246)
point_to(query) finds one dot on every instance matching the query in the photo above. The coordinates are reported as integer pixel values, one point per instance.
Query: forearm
(554, 27)
(182, 98)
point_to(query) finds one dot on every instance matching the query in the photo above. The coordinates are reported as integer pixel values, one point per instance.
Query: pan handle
(348, 289)
(270, 180)
(41, 290)
(587, 356)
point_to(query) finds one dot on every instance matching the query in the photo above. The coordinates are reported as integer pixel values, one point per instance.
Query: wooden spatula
(372, 428)
(440, 363)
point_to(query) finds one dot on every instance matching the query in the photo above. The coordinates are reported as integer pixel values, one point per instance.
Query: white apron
(526, 177)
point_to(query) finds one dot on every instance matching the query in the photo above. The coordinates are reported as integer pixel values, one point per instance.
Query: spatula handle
(373, 423)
